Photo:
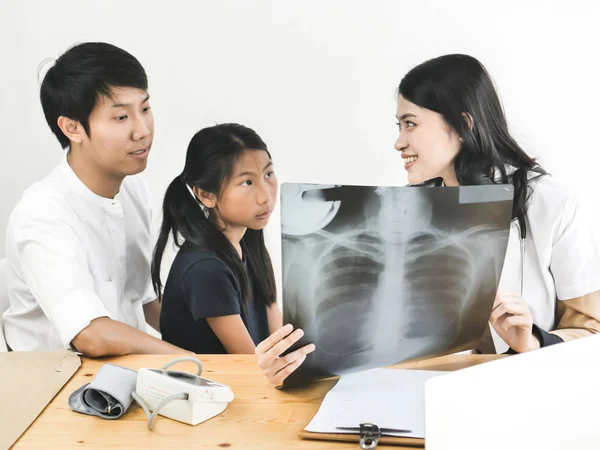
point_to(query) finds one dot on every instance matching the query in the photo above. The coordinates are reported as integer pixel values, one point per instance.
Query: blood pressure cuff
(108, 395)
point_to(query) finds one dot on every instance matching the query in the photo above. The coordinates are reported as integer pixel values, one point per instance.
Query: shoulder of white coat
(551, 193)
(554, 201)
(44, 202)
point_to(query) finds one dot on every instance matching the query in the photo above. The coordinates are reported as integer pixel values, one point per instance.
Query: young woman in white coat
(453, 132)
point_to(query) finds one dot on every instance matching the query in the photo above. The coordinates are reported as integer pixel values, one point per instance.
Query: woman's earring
(460, 139)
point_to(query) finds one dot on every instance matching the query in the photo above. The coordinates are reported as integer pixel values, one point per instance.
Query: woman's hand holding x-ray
(513, 322)
(277, 368)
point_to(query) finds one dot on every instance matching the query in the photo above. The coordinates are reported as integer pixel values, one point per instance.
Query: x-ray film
(380, 275)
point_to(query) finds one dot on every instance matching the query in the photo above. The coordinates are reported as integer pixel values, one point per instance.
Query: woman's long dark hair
(453, 85)
(210, 160)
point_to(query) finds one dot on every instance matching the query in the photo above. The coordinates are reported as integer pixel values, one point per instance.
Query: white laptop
(548, 399)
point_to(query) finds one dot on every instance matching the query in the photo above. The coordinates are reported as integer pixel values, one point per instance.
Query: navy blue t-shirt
(199, 286)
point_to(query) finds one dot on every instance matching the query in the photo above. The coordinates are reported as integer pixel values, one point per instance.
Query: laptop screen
(380, 275)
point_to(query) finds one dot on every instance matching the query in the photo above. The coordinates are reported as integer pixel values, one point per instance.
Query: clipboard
(368, 436)
(30, 380)
(403, 407)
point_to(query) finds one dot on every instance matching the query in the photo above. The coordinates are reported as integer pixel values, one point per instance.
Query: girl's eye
(146, 109)
(399, 125)
(269, 175)
(247, 183)
(121, 118)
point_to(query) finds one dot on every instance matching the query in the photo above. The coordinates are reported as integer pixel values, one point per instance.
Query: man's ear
(72, 129)
(208, 199)
(469, 119)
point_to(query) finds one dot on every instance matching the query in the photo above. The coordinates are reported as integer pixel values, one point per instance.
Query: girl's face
(428, 144)
(249, 198)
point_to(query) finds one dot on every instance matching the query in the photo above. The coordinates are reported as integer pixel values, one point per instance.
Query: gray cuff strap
(108, 395)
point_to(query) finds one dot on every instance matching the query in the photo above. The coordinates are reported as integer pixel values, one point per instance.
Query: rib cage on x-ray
(388, 287)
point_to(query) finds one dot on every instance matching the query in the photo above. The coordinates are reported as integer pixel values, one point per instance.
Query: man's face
(121, 131)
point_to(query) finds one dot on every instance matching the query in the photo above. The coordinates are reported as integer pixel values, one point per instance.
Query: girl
(220, 293)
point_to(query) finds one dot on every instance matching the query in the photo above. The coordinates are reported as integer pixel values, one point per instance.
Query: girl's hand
(277, 369)
(513, 322)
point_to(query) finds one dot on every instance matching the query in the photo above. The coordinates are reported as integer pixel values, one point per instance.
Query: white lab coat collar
(83, 191)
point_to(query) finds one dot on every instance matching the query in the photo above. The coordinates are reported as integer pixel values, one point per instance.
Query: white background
(315, 79)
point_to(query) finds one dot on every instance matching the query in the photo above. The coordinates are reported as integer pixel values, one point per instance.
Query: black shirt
(199, 286)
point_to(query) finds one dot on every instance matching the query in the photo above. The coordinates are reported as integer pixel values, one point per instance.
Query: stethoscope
(522, 235)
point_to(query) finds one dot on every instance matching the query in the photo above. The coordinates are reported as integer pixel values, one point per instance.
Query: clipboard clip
(369, 435)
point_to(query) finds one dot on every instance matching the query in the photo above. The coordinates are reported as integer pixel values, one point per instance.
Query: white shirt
(73, 256)
(562, 255)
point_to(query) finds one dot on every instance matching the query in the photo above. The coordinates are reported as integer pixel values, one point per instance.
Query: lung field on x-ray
(395, 275)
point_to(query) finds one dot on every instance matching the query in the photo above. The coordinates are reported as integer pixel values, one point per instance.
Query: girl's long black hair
(210, 160)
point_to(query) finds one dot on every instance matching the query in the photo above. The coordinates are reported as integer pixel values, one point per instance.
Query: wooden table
(260, 417)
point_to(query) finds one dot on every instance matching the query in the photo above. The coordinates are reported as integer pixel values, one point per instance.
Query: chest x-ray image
(380, 275)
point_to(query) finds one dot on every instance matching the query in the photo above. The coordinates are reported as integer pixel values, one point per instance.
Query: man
(79, 242)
